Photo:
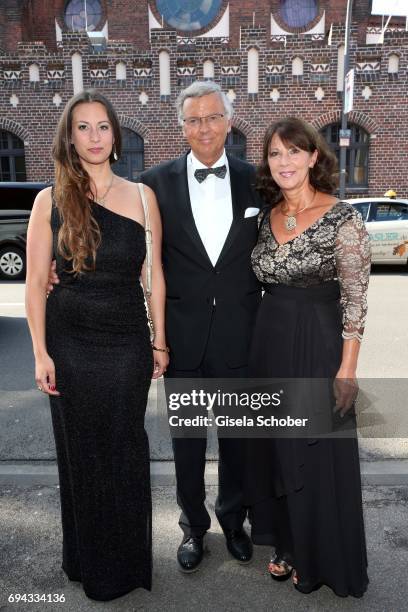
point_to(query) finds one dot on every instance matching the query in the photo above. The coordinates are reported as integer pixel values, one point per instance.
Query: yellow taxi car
(386, 220)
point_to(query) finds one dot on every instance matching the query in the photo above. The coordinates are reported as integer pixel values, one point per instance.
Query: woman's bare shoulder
(42, 202)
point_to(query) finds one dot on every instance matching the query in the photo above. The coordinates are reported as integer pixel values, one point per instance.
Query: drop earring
(115, 155)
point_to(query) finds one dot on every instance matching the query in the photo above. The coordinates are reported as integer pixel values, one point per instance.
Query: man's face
(207, 137)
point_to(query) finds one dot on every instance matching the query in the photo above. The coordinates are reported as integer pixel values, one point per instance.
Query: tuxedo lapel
(238, 188)
(182, 200)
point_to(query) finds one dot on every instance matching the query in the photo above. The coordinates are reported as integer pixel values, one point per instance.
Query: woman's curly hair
(294, 131)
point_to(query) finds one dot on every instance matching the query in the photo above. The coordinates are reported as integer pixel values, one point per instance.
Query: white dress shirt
(211, 204)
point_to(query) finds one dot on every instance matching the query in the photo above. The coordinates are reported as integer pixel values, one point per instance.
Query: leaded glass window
(83, 15)
(188, 15)
(298, 13)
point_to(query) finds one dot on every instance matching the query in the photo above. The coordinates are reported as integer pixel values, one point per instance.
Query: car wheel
(12, 263)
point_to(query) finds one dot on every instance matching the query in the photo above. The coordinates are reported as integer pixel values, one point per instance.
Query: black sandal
(280, 576)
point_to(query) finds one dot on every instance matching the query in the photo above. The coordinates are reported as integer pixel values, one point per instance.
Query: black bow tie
(202, 173)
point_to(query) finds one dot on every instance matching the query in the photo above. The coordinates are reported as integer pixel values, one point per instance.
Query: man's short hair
(198, 89)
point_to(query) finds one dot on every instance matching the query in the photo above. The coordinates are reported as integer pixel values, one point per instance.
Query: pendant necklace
(290, 221)
(102, 199)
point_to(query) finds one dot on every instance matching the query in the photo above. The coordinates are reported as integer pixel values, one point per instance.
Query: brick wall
(384, 115)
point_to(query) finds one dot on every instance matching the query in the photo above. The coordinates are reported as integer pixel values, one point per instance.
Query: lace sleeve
(353, 260)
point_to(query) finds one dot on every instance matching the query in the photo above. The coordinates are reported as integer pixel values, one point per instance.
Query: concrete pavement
(30, 539)
(30, 548)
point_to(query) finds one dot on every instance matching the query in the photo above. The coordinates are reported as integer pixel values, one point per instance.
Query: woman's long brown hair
(79, 235)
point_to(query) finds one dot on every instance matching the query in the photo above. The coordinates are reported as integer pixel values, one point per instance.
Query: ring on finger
(40, 388)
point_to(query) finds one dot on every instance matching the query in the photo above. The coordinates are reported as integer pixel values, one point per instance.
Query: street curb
(391, 472)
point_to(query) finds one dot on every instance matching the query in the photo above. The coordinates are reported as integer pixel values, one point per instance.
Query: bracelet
(161, 350)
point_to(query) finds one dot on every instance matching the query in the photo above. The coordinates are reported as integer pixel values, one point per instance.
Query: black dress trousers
(189, 455)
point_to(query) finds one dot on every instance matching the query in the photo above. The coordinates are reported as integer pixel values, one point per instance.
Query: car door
(388, 229)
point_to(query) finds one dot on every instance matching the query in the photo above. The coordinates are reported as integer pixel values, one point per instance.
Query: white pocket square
(251, 212)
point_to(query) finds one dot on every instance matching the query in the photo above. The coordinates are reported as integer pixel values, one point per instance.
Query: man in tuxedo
(206, 198)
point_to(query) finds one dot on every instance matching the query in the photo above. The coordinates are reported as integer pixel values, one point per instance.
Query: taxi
(386, 220)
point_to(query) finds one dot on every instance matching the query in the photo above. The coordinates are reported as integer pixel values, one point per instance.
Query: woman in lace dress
(313, 259)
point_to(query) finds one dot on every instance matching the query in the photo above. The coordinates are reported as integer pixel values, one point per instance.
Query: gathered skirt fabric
(305, 494)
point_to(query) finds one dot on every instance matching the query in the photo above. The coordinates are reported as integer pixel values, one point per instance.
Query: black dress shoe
(239, 544)
(190, 554)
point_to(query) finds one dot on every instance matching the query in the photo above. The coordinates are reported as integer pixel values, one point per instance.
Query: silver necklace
(102, 199)
(290, 221)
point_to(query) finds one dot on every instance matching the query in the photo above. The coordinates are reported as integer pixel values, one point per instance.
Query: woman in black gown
(92, 348)
(313, 259)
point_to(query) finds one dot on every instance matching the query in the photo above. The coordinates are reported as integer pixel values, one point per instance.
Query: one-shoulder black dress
(305, 494)
(97, 335)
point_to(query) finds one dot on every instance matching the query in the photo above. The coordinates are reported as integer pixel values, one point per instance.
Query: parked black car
(13, 235)
(19, 196)
(16, 202)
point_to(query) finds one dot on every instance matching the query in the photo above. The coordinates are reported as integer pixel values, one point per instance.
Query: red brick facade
(30, 110)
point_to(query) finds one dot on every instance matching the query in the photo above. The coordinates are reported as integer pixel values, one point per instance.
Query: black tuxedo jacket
(192, 282)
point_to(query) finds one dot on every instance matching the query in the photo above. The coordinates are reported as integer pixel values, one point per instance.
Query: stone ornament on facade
(275, 73)
(186, 71)
(319, 68)
(57, 100)
(182, 41)
(143, 72)
(14, 101)
(319, 71)
(99, 73)
(279, 38)
(230, 70)
(274, 95)
(143, 98)
(231, 75)
(275, 69)
(55, 74)
(367, 93)
(319, 94)
(231, 95)
(368, 70)
(12, 75)
(368, 66)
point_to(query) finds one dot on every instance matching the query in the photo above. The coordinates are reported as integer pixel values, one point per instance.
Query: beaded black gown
(305, 494)
(97, 335)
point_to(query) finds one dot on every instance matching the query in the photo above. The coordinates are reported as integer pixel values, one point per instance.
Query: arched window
(357, 153)
(298, 13)
(131, 162)
(12, 160)
(236, 143)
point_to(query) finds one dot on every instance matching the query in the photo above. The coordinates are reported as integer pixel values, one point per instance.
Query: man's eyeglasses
(195, 122)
